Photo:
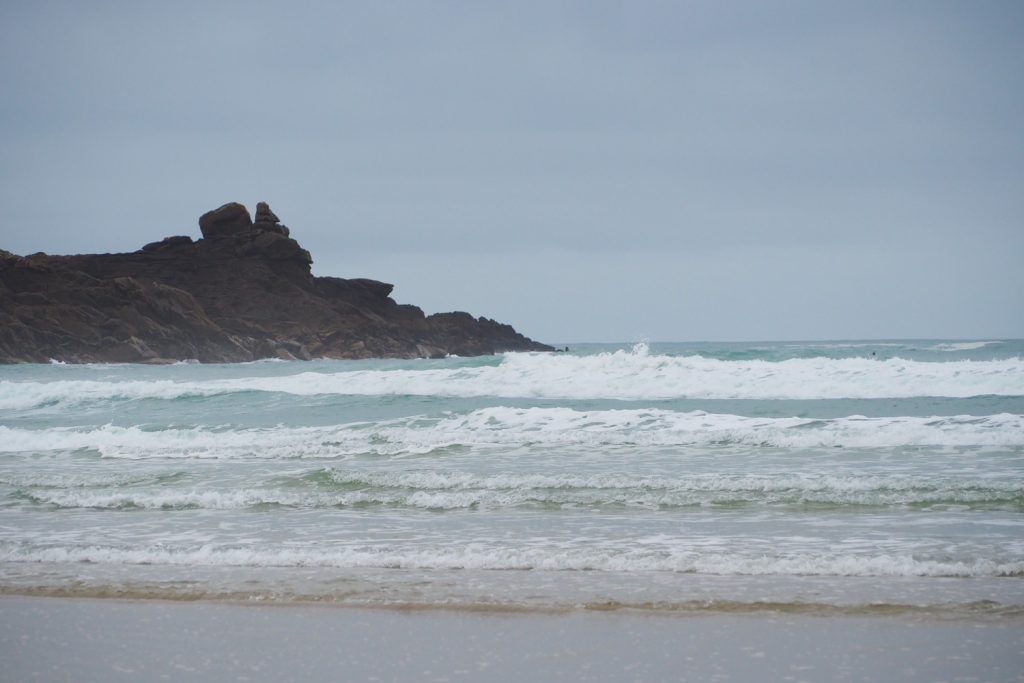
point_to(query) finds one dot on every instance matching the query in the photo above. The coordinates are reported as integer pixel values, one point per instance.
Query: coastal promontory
(242, 292)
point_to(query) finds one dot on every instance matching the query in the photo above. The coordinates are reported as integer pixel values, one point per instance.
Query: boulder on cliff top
(225, 221)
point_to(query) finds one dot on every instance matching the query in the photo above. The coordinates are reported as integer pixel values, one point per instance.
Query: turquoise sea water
(819, 476)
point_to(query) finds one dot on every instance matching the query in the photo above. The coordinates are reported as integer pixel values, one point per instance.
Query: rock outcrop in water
(242, 292)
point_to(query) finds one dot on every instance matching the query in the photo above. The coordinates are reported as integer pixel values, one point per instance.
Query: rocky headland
(242, 292)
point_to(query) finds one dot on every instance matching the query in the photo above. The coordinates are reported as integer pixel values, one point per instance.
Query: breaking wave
(458, 490)
(624, 375)
(511, 427)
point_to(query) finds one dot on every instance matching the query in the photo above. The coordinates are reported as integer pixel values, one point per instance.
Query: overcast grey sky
(587, 171)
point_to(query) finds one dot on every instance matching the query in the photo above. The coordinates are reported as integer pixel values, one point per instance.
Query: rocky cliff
(242, 292)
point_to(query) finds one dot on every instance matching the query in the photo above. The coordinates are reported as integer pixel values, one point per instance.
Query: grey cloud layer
(612, 136)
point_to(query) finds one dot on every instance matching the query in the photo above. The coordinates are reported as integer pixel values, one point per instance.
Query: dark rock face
(243, 292)
(268, 220)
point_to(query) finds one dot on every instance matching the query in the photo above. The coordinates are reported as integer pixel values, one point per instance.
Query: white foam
(843, 345)
(510, 427)
(80, 480)
(22, 395)
(639, 375)
(964, 346)
(634, 375)
(152, 499)
(481, 556)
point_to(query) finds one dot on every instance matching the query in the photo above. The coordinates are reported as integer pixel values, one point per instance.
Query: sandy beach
(57, 639)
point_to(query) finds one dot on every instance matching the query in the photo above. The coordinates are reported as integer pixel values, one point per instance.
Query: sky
(585, 171)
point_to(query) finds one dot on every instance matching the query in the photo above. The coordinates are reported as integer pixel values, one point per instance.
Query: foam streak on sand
(492, 557)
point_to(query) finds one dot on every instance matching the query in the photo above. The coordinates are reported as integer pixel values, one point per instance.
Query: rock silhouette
(242, 292)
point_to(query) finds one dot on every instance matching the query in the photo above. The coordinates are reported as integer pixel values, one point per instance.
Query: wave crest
(623, 375)
(511, 427)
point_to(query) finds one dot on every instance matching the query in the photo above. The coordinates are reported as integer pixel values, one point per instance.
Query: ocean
(815, 477)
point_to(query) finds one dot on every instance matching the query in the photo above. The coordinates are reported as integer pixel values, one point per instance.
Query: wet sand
(60, 639)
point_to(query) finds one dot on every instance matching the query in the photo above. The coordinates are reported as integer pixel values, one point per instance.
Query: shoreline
(695, 608)
(520, 591)
(89, 639)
